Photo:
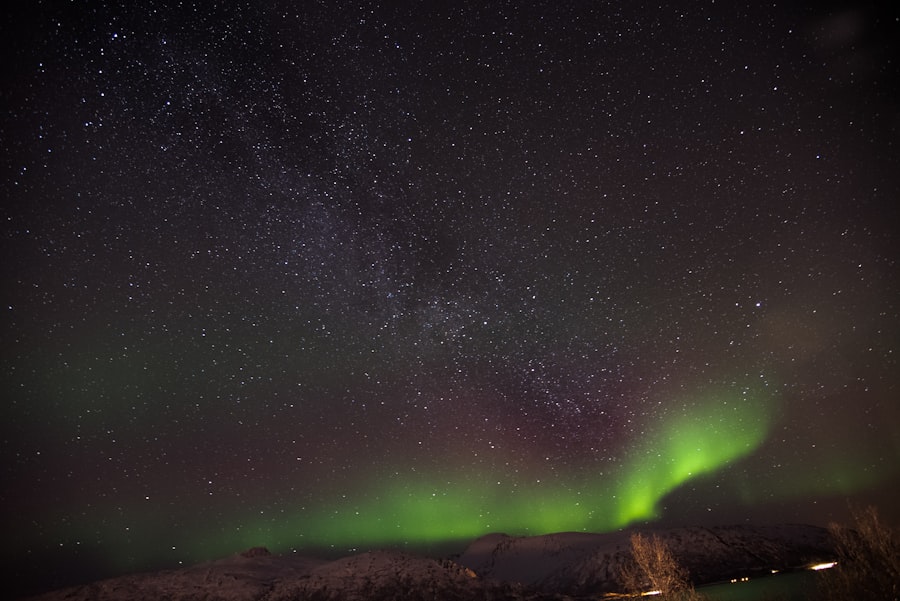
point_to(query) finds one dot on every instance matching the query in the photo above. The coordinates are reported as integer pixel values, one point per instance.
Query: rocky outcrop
(256, 552)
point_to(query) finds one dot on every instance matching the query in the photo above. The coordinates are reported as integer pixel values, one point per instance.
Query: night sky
(320, 275)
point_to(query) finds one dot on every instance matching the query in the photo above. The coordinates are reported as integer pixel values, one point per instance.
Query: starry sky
(334, 275)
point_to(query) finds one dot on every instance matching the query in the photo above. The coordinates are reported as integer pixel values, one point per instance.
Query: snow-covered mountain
(581, 563)
(259, 576)
(558, 566)
(250, 575)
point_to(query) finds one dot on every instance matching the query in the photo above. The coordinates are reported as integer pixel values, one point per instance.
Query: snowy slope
(582, 563)
(367, 576)
(533, 559)
(495, 566)
(236, 578)
(386, 575)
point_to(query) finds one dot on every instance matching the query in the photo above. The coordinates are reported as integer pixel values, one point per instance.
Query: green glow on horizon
(720, 428)
(421, 509)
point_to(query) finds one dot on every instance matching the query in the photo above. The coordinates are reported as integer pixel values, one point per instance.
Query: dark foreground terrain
(500, 567)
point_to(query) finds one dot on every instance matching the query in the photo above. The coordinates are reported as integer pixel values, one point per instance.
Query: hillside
(582, 563)
(496, 566)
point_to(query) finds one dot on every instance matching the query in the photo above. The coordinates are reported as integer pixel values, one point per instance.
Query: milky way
(319, 277)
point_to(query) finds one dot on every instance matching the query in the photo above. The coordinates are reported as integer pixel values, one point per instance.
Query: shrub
(868, 561)
(653, 567)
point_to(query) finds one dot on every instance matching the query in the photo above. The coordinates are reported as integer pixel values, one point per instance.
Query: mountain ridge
(566, 565)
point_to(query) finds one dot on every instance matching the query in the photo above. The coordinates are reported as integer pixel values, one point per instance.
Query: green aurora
(722, 427)
(423, 510)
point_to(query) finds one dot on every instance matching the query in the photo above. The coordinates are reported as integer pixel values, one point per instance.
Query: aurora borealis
(331, 276)
(447, 506)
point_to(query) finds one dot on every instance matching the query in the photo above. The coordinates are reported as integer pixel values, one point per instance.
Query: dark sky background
(318, 275)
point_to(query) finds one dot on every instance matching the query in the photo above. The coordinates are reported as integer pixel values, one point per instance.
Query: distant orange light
(823, 566)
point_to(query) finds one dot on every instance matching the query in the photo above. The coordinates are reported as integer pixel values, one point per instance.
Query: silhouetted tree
(868, 561)
(653, 567)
